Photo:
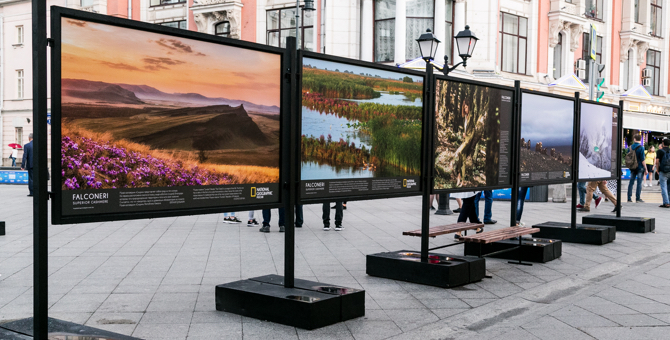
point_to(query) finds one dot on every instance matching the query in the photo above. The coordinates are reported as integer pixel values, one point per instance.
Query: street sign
(49, 118)
(594, 42)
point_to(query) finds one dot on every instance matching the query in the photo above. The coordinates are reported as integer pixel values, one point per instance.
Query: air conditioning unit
(646, 81)
(646, 73)
(581, 65)
(581, 74)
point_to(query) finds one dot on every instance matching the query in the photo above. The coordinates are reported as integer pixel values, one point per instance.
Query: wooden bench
(446, 229)
(499, 235)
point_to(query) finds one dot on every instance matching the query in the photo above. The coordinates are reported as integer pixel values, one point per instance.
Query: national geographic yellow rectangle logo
(253, 191)
(404, 183)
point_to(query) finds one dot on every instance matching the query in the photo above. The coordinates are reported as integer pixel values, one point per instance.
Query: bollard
(2, 228)
(443, 205)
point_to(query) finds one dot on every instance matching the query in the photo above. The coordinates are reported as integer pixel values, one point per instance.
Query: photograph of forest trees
(467, 143)
(359, 122)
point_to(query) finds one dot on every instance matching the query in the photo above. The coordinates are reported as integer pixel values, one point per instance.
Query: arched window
(222, 29)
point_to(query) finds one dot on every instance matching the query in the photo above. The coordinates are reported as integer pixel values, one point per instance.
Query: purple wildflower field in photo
(90, 164)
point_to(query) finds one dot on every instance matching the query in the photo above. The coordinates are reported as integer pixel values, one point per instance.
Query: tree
(407, 79)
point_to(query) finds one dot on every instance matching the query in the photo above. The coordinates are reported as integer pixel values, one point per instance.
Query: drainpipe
(130, 9)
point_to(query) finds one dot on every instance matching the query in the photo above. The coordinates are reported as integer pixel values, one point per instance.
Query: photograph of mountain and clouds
(547, 125)
(597, 141)
(142, 109)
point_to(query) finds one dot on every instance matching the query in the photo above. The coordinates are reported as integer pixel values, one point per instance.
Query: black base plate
(627, 224)
(440, 271)
(2, 228)
(265, 298)
(583, 233)
(537, 250)
(23, 329)
(353, 300)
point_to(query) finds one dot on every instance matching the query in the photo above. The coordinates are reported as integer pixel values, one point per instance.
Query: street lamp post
(465, 42)
(309, 6)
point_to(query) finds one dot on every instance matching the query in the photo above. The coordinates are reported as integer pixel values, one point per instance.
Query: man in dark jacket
(27, 162)
(641, 171)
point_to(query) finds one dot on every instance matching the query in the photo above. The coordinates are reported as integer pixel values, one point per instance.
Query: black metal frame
(431, 167)
(517, 150)
(617, 146)
(57, 13)
(359, 63)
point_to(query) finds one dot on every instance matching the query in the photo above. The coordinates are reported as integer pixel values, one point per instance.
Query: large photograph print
(361, 130)
(547, 129)
(473, 124)
(597, 142)
(152, 122)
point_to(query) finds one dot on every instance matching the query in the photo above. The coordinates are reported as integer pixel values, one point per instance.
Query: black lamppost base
(443, 205)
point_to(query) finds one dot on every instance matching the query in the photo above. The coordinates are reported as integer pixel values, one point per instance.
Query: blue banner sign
(13, 177)
(506, 194)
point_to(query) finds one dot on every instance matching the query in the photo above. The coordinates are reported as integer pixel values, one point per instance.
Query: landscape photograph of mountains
(167, 112)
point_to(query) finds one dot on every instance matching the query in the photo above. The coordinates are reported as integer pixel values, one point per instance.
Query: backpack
(664, 164)
(631, 158)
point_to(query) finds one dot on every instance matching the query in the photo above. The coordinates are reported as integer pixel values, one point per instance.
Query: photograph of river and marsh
(359, 122)
(142, 109)
(468, 140)
(546, 136)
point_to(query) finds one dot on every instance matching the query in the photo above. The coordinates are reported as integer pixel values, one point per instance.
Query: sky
(332, 66)
(111, 54)
(596, 120)
(546, 119)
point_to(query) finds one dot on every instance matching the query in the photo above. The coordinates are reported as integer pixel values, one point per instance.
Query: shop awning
(646, 122)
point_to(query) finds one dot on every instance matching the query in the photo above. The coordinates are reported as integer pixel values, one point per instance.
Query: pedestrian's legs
(325, 214)
(638, 191)
(488, 204)
(581, 187)
(267, 215)
(460, 202)
(30, 181)
(298, 216)
(251, 215)
(338, 213)
(631, 183)
(467, 210)
(663, 181)
(476, 203)
(589, 194)
(521, 199)
(282, 216)
(606, 192)
(13, 162)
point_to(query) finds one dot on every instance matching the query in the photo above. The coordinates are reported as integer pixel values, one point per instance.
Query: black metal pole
(428, 156)
(40, 192)
(513, 168)
(618, 158)
(290, 182)
(443, 205)
(575, 161)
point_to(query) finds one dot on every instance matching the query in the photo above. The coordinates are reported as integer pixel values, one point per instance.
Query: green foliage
(407, 79)
(351, 86)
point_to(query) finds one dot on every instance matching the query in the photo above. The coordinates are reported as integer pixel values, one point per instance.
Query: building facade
(539, 42)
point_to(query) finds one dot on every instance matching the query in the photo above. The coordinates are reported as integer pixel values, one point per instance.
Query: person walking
(488, 205)
(14, 156)
(663, 167)
(650, 162)
(267, 217)
(468, 210)
(339, 214)
(520, 200)
(581, 187)
(639, 172)
(27, 162)
(590, 188)
(231, 218)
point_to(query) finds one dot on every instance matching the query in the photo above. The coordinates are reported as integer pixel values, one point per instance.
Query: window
(86, 3)
(175, 24)
(420, 15)
(19, 84)
(164, 2)
(449, 41)
(222, 29)
(19, 35)
(558, 57)
(384, 30)
(656, 18)
(281, 24)
(654, 66)
(513, 33)
(586, 52)
(18, 136)
(626, 71)
(637, 11)
(594, 9)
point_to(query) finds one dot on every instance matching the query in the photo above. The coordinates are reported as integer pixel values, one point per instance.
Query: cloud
(155, 64)
(176, 45)
(121, 66)
(77, 23)
(200, 54)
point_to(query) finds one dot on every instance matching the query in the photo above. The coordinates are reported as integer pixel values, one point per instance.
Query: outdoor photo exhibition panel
(154, 121)
(598, 155)
(473, 131)
(361, 129)
(546, 140)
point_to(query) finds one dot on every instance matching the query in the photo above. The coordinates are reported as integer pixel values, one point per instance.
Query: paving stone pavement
(155, 278)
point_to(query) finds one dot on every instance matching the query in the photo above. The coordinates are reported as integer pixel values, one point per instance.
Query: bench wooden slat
(446, 229)
(500, 234)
